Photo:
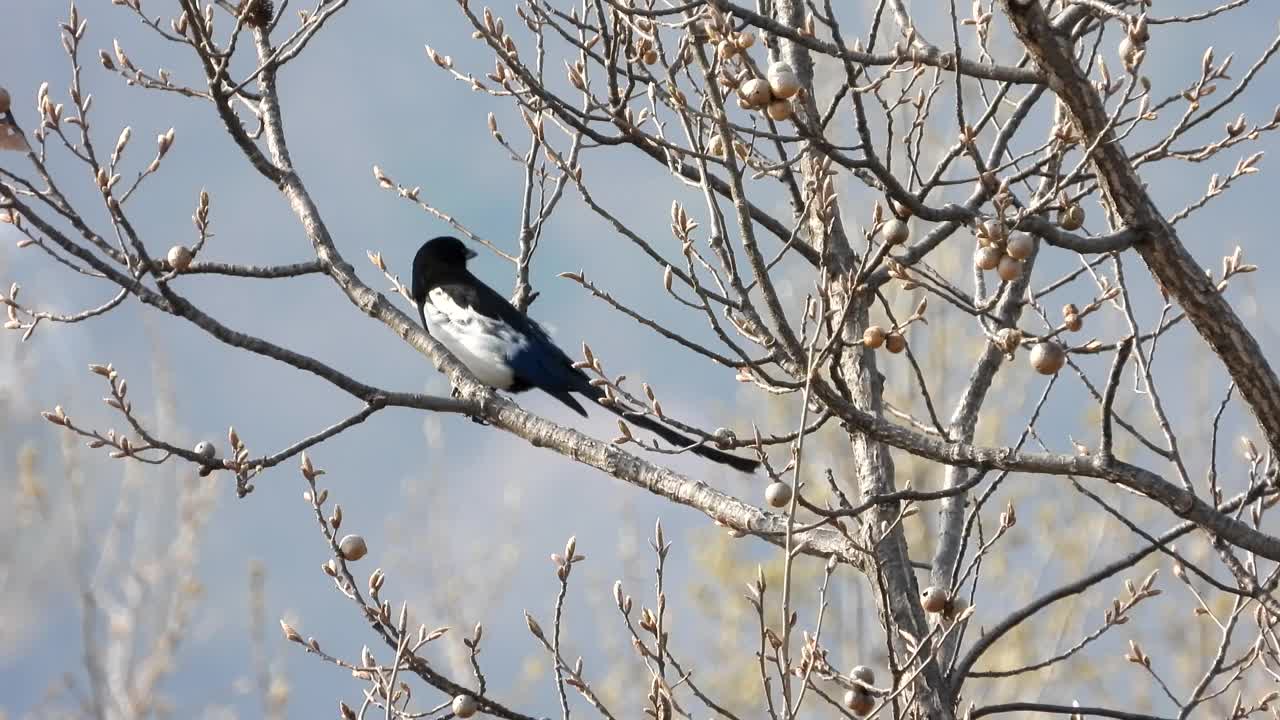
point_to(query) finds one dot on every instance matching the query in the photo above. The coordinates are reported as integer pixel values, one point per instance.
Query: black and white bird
(507, 350)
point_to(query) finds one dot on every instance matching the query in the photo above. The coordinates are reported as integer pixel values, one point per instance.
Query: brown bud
(1071, 217)
(1008, 339)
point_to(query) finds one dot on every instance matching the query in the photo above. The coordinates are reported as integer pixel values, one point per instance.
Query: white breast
(482, 344)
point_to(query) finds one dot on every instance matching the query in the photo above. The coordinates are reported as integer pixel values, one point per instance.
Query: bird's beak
(471, 254)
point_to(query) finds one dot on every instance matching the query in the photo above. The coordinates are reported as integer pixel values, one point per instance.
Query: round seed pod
(934, 599)
(874, 336)
(464, 706)
(1020, 245)
(862, 673)
(780, 109)
(987, 257)
(205, 449)
(1048, 357)
(895, 231)
(755, 92)
(1009, 269)
(1071, 217)
(955, 607)
(724, 438)
(650, 57)
(727, 49)
(859, 702)
(995, 230)
(179, 257)
(783, 81)
(778, 494)
(352, 547)
(745, 40)
(894, 342)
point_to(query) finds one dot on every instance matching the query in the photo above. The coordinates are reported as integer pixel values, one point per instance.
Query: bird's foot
(457, 393)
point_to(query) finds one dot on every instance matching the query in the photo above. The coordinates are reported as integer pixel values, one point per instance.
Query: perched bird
(504, 348)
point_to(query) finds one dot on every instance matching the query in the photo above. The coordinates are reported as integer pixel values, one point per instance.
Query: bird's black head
(437, 257)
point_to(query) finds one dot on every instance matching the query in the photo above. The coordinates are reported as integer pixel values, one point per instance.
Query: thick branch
(1158, 244)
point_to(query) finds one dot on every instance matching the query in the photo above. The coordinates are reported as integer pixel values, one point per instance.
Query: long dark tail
(741, 464)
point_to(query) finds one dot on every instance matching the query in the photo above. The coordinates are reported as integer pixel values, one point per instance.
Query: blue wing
(532, 356)
(543, 365)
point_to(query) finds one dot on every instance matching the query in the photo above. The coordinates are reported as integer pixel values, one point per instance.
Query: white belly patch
(482, 344)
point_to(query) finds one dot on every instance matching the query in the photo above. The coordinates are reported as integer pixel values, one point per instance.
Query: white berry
(783, 81)
(352, 547)
(934, 599)
(180, 257)
(464, 706)
(1020, 245)
(995, 230)
(1048, 357)
(862, 673)
(778, 494)
(755, 92)
(1009, 269)
(895, 231)
(987, 257)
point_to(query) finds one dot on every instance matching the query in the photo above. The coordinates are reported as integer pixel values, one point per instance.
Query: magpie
(507, 350)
